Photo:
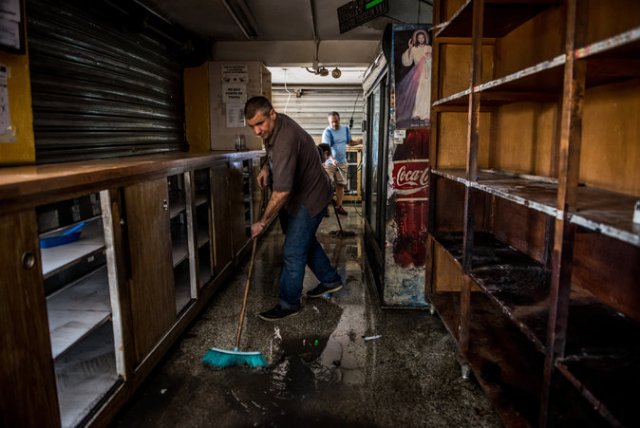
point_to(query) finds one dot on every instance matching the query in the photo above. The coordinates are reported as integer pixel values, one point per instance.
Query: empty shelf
(57, 258)
(500, 17)
(606, 212)
(78, 309)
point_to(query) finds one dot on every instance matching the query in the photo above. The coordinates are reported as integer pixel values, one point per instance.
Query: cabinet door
(223, 252)
(153, 299)
(237, 211)
(25, 350)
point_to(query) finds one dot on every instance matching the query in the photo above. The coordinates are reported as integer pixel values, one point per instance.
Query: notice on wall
(235, 73)
(7, 133)
(10, 24)
(399, 135)
(235, 114)
(234, 93)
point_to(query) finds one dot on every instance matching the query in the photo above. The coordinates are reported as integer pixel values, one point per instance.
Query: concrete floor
(321, 371)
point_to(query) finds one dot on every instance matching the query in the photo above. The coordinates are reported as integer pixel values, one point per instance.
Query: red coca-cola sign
(410, 179)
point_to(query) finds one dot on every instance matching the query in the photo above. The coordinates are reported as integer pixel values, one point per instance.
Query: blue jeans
(302, 248)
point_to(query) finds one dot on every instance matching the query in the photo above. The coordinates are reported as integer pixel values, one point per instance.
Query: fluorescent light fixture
(242, 15)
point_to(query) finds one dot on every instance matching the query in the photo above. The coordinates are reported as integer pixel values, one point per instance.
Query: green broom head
(222, 358)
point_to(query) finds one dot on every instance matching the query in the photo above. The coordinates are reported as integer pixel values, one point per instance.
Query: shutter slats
(311, 109)
(103, 85)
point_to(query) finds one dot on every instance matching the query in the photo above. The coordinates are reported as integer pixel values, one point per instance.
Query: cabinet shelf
(177, 205)
(60, 229)
(85, 375)
(500, 18)
(179, 249)
(55, 259)
(203, 236)
(78, 309)
(541, 82)
(607, 62)
(201, 199)
(609, 383)
(608, 213)
(612, 59)
(508, 374)
(515, 283)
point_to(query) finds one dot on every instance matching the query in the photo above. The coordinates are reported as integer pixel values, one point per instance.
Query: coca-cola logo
(411, 178)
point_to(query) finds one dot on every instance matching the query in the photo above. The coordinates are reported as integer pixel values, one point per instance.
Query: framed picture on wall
(12, 26)
(412, 75)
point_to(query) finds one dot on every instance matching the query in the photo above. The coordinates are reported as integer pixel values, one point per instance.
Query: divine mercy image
(413, 78)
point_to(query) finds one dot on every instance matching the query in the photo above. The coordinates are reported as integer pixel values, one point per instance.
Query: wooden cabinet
(182, 238)
(535, 175)
(203, 224)
(223, 252)
(26, 374)
(86, 321)
(78, 302)
(240, 202)
(152, 289)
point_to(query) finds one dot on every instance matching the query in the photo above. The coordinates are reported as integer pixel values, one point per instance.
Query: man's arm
(276, 202)
(263, 176)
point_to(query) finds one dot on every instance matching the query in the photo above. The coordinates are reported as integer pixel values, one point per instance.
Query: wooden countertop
(21, 186)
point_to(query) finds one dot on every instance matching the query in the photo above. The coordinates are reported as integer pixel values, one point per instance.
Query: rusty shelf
(505, 364)
(603, 360)
(612, 59)
(609, 384)
(602, 211)
(515, 283)
(500, 17)
(608, 61)
(539, 83)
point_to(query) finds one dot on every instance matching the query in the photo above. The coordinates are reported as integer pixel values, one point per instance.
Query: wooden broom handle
(246, 293)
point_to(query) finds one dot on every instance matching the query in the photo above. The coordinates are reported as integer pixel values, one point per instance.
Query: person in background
(338, 137)
(300, 194)
(325, 152)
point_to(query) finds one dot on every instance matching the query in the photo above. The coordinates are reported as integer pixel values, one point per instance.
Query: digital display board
(357, 12)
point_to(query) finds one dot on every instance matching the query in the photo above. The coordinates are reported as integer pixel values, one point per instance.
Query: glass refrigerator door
(373, 150)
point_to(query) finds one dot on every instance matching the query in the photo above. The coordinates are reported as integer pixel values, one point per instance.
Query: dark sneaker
(341, 211)
(278, 313)
(321, 290)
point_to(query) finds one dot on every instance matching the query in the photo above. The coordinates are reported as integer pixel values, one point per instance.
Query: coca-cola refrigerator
(397, 87)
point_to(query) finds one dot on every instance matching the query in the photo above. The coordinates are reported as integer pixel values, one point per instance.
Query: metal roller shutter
(310, 105)
(106, 81)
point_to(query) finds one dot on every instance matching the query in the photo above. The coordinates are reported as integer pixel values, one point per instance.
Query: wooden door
(26, 367)
(222, 248)
(152, 290)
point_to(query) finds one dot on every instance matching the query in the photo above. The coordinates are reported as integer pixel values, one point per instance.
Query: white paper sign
(7, 134)
(235, 115)
(234, 93)
(10, 23)
(235, 74)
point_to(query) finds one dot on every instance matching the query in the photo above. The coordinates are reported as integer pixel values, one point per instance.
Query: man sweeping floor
(301, 191)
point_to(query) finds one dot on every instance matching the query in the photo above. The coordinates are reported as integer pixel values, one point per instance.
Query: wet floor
(342, 362)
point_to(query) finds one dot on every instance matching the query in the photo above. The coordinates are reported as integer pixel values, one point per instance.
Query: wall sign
(11, 26)
(7, 133)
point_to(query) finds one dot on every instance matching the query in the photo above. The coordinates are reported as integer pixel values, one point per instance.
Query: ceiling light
(242, 16)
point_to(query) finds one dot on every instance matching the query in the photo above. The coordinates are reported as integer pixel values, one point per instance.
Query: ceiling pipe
(316, 69)
(241, 14)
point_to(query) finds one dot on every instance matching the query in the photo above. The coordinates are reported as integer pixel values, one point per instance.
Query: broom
(340, 233)
(222, 358)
